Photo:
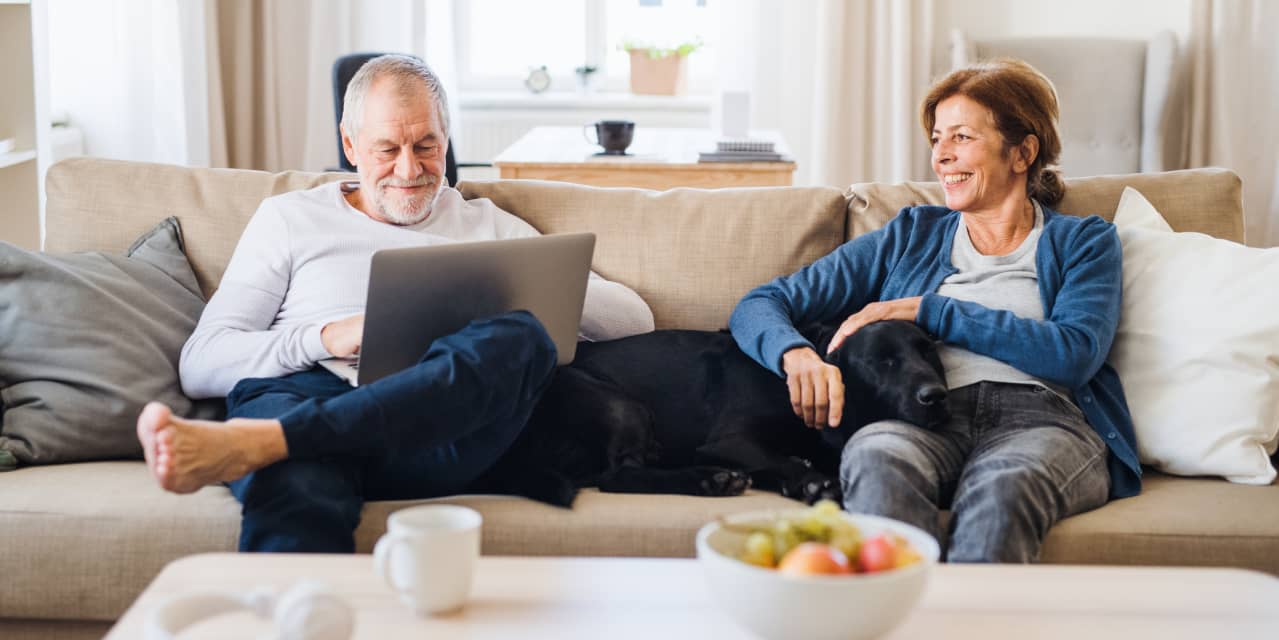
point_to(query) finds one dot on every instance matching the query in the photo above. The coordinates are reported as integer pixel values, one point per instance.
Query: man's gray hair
(404, 70)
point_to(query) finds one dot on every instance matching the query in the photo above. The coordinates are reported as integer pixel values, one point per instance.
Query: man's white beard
(407, 211)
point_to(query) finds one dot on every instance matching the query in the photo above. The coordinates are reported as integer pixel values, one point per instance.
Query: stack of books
(742, 150)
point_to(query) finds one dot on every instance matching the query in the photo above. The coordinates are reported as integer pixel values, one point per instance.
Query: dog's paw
(824, 490)
(719, 482)
(813, 486)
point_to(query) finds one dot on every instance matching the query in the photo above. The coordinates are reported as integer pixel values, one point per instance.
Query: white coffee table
(613, 598)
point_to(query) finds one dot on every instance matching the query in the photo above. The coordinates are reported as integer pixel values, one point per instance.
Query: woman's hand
(816, 388)
(900, 309)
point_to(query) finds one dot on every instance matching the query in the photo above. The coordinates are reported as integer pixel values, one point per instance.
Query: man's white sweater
(303, 262)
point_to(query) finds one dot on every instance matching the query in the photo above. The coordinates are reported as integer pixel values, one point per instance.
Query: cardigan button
(1111, 435)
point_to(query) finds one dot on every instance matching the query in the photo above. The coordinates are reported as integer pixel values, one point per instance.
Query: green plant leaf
(657, 53)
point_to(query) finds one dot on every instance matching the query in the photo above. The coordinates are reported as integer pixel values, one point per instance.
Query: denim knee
(1004, 511)
(881, 446)
(885, 471)
(515, 341)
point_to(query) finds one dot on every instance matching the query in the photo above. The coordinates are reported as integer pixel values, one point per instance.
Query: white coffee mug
(428, 555)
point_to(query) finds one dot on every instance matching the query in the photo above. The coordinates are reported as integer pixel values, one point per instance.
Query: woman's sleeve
(765, 320)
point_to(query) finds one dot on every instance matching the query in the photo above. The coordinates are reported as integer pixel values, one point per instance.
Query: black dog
(687, 412)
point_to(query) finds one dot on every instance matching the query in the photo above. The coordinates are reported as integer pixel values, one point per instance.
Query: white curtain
(854, 71)
(119, 70)
(270, 64)
(1234, 102)
(224, 83)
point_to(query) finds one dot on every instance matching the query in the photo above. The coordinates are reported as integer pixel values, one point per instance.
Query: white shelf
(16, 157)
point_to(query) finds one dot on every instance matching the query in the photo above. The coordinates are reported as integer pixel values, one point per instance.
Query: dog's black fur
(687, 412)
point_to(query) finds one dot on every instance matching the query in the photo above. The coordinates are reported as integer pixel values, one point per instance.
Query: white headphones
(306, 611)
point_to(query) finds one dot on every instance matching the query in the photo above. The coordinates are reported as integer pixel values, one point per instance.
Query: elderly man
(301, 449)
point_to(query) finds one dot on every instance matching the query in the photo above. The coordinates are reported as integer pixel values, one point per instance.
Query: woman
(1025, 301)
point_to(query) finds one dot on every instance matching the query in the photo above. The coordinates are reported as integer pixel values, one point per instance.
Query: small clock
(538, 79)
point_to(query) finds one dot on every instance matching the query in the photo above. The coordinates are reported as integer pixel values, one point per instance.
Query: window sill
(569, 100)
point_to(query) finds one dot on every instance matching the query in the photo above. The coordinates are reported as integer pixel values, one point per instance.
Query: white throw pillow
(1198, 348)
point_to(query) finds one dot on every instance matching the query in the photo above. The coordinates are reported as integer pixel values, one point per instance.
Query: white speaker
(735, 114)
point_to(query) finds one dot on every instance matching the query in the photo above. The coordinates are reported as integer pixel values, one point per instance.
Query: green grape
(759, 550)
(826, 507)
(825, 522)
(851, 529)
(783, 526)
(785, 538)
(847, 539)
(812, 528)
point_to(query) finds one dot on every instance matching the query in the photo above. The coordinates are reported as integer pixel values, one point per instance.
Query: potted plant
(586, 77)
(659, 70)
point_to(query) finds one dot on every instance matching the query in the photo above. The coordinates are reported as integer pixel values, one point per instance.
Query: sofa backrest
(1203, 200)
(104, 205)
(691, 253)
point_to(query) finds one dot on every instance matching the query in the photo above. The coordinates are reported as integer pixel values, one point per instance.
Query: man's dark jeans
(424, 432)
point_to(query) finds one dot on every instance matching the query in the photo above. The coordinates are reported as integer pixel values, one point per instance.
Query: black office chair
(343, 70)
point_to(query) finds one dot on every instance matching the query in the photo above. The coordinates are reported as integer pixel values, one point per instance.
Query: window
(498, 41)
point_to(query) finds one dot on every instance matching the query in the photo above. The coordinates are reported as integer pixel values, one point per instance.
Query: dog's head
(891, 371)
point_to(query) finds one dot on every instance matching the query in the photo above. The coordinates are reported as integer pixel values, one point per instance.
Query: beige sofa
(78, 542)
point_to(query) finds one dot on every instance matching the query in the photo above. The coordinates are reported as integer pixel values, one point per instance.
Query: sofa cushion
(599, 524)
(1198, 348)
(84, 539)
(86, 340)
(690, 253)
(1201, 200)
(1203, 522)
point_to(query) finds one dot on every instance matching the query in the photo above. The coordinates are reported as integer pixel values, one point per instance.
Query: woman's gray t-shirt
(1008, 282)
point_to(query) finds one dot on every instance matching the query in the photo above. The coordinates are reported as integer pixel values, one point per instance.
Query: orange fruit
(814, 558)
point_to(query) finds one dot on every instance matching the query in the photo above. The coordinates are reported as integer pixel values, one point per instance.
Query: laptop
(420, 294)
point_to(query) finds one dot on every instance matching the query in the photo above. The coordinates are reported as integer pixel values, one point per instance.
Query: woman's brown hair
(1023, 102)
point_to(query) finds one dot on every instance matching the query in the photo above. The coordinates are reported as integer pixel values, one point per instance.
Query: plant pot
(665, 76)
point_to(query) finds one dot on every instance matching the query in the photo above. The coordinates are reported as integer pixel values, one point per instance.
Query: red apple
(877, 554)
(814, 558)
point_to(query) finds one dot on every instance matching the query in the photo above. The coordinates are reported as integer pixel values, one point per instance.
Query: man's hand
(342, 338)
(816, 388)
(900, 309)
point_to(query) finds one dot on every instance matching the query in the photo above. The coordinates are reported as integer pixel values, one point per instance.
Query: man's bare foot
(153, 415)
(184, 455)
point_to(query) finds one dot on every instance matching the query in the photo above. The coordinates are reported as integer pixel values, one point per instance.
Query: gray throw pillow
(86, 340)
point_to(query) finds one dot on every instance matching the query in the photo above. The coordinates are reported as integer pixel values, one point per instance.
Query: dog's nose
(931, 394)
